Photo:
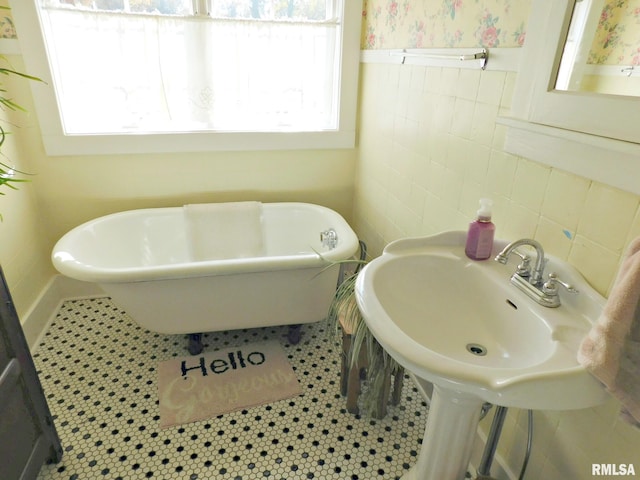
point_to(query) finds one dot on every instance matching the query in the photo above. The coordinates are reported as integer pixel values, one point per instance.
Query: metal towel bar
(482, 55)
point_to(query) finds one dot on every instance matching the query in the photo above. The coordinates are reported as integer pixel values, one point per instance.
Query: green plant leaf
(7, 102)
(344, 310)
(7, 174)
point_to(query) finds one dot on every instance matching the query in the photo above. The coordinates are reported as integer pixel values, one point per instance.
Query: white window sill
(57, 145)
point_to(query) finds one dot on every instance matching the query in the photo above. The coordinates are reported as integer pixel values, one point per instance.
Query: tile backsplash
(429, 148)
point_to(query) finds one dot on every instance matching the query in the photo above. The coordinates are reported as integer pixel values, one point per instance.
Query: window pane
(273, 9)
(141, 73)
(162, 7)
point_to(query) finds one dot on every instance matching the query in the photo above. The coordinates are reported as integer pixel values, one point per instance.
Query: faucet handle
(524, 268)
(329, 238)
(550, 287)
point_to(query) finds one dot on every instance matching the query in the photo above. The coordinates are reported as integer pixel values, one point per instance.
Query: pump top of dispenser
(484, 212)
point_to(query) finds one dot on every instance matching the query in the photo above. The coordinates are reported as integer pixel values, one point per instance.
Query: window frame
(537, 100)
(57, 143)
(592, 135)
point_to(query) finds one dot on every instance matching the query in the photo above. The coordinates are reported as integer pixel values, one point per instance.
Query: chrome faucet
(535, 277)
(329, 238)
(531, 282)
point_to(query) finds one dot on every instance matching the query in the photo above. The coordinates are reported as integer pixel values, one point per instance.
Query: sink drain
(476, 349)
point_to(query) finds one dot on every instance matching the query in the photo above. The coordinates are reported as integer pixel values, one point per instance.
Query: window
(182, 75)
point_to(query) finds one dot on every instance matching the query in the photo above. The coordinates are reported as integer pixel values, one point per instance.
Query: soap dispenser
(481, 231)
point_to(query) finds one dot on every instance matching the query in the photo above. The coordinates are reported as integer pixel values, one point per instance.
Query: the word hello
(233, 361)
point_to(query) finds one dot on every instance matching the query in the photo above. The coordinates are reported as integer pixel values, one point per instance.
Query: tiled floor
(98, 371)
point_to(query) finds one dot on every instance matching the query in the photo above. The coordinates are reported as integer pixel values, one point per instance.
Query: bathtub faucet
(329, 238)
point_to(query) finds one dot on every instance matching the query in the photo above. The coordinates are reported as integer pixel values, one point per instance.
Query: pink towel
(611, 350)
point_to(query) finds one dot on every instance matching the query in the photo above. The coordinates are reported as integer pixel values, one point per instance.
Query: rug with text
(198, 387)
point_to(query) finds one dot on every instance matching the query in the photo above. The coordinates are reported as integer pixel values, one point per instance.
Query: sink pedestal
(448, 438)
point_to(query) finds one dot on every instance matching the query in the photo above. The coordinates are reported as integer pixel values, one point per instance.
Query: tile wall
(429, 148)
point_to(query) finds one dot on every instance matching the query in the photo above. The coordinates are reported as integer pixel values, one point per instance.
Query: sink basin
(461, 325)
(483, 327)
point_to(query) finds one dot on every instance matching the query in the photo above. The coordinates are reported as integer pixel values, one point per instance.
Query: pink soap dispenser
(481, 231)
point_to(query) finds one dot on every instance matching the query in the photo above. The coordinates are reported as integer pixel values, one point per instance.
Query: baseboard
(40, 315)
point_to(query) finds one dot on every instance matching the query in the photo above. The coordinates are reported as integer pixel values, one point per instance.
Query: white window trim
(56, 143)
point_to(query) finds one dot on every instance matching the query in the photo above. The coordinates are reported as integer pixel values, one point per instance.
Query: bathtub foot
(295, 333)
(195, 343)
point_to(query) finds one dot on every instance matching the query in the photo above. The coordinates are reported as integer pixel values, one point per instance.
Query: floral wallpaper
(617, 40)
(7, 30)
(444, 23)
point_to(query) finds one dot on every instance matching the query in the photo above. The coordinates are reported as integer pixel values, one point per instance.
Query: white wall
(23, 253)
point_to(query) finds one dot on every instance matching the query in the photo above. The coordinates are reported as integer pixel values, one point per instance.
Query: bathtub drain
(476, 349)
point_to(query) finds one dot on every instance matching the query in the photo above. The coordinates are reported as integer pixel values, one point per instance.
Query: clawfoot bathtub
(142, 260)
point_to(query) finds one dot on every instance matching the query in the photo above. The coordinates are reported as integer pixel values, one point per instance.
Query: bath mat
(198, 387)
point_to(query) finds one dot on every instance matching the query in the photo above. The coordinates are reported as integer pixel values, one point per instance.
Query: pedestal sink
(461, 325)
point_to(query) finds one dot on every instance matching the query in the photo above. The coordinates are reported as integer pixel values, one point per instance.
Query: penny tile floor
(98, 371)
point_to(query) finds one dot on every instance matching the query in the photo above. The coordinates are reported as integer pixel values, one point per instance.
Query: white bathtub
(142, 261)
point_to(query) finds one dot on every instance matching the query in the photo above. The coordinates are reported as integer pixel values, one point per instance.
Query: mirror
(602, 51)
(592, 135)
